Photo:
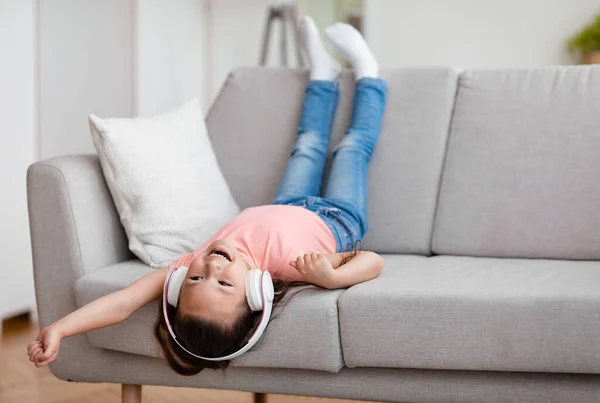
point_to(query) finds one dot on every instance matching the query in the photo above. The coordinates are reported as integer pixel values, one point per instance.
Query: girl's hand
(316, 269)
(45, 349)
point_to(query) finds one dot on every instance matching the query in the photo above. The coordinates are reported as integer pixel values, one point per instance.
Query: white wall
(17, 151)
(169, 66)
(86, 66)
(138, 57)
(235, 36)
(115, 58)
(474, 33)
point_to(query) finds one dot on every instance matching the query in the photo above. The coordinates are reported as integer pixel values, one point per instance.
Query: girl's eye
(224, 283)
(196, 277)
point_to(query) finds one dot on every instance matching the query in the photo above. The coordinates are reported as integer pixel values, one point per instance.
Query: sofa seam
(339, 320)
(440, 180)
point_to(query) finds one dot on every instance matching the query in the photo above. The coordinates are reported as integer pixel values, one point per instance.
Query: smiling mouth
(222, 254)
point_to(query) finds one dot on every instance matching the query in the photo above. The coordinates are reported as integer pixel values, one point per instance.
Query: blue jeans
(343, 206)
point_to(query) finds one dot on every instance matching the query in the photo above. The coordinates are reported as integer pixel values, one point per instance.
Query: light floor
(21, 382)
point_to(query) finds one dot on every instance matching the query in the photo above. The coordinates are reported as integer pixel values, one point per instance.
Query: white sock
(323, 66)
(350, 43)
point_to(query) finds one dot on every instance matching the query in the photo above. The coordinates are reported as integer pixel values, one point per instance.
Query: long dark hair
(209, 339)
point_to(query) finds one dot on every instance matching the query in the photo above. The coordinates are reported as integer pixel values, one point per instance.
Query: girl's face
(215, 287)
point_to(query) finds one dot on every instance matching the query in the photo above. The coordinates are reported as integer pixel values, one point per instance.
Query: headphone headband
(259, 295)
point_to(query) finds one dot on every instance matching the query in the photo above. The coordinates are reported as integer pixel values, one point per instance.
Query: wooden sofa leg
(260, 398)
(131, 393)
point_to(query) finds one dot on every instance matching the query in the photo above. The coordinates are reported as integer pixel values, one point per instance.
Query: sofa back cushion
(252, 126)
(521, 173)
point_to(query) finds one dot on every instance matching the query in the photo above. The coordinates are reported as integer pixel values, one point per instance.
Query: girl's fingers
(43, 363)
(32, 345)
(293, 264)
(46, 362)
(33, 353)
(314, 256)
(300, 264)
(37, 356)
(307, 259)
(48, 353)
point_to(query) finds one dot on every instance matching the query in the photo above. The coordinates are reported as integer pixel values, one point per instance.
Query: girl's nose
(214, 267)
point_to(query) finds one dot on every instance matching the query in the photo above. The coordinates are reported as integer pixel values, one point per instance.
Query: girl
(300, 237)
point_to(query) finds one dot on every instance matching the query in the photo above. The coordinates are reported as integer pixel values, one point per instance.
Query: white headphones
(259, 295)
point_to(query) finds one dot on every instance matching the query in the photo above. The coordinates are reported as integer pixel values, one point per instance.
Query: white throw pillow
(165, 181)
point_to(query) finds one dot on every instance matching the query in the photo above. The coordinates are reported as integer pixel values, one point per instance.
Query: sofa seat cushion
(284, 345)
(466, 313)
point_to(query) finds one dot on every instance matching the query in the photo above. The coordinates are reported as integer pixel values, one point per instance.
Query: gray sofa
(484, 199)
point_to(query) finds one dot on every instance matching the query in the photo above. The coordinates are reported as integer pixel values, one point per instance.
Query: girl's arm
(105, 311)
(328, 271)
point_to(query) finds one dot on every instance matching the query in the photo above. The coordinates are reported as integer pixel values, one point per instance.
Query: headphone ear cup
(253, 294)
(267, 286)
(175, 284)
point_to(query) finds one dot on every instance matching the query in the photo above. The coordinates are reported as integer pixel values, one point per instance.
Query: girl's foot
(323, 66)
(350, 43)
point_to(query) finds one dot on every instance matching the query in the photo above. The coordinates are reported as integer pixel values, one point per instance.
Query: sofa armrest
(74, 228)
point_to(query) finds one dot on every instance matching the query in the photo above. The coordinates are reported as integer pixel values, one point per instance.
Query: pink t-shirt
(269, 237)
